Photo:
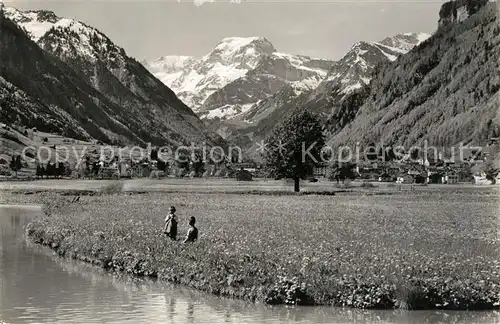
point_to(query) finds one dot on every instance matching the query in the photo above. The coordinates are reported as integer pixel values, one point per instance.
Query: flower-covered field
(421, 251)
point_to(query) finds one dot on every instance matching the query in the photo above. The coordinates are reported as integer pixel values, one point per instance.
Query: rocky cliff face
(458, 10)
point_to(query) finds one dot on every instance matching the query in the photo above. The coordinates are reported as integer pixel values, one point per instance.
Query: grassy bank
(415, 252)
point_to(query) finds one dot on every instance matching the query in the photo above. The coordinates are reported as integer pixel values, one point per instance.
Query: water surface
(37, 287)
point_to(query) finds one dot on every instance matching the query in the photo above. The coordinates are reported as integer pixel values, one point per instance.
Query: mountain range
(66, 77)
(407, 89)
(244, 85)
(239, 73)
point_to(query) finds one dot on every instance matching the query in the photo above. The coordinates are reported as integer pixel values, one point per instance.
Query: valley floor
(231, 186)
(412, 250)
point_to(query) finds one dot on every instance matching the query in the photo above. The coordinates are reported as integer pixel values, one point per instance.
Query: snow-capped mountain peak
(240, 52)
(170, 63)
(36, 23)
(406, 41)
(364, 55)
(235, 44)
(354, 69)
(236, 73)
(236, 79)
(66, 37)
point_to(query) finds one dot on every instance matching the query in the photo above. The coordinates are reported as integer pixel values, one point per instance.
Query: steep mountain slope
(38, 90)
(236, 75)
(141, 102)
(444, 91)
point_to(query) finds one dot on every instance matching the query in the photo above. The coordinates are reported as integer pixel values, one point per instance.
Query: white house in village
(480, 179)
(405, 178)
(414, 172)
(450, 178)
(365, 167)
(425, 162)
(384, 177)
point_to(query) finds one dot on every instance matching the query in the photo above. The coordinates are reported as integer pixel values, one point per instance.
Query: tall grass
(411, 252)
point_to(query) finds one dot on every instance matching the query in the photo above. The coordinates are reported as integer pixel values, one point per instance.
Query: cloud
(199, 3)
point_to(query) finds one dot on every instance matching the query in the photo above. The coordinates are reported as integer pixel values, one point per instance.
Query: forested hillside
(444, 91)
(74, 81)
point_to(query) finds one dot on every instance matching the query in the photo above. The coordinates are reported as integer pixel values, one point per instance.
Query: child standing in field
(171, 224)
(192, 233)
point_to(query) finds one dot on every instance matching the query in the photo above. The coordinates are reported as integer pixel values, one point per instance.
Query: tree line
(51, 170)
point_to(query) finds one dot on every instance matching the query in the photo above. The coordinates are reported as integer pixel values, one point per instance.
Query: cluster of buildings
(467, 166)
(94, 167)
(446, 172)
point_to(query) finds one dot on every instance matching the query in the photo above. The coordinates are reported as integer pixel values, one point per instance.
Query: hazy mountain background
(67, 77)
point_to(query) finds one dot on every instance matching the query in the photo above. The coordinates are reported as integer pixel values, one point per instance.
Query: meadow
(426, 250)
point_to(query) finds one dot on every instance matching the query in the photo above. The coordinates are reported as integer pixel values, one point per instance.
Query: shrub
(412, 297)
(366, 184)
(5, 171)
(243, 175)
(112, 188)
(345, 185)
(157, 174)
(289, 292)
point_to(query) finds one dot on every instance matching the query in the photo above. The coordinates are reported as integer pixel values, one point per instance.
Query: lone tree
(294, 147)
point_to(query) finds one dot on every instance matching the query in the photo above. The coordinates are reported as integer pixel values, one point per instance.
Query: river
(37, 287)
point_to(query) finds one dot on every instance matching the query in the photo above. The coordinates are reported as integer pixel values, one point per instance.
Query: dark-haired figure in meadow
(192, 233)
(171, 224)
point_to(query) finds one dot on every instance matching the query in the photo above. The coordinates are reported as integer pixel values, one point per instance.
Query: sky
(321, 28)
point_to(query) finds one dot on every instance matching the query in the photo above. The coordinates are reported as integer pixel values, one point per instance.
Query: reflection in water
(190, 312)
(38, 287)
(171, 307)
